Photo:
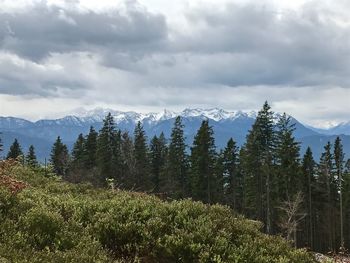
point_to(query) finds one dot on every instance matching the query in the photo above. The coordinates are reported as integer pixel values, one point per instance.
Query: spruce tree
(203, 160)
(59, 157)
(232, 181)
(326, 201)
(108, 151)
(1, 147)
(287, 159)
(346, 204)
(339, 170)
(177, 166)
(258, 168)
(128, 161)
(78, 152)
(309, 184)
(158, 154)
(15, 150)
(31, 159)
(90, 148)
(142, 169)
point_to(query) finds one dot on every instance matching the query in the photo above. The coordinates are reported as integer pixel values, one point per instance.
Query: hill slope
(53, 221)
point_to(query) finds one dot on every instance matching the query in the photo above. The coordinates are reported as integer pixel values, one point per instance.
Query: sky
(148, 55)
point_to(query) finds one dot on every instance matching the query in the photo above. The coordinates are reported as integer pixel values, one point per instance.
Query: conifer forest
(268, 179)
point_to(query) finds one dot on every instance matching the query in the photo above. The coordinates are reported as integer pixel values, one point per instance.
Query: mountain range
(226, 124)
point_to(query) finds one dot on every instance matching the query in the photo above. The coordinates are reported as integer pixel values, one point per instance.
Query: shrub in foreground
(53, 221)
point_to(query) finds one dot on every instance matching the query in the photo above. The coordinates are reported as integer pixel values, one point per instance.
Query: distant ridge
(226, 124)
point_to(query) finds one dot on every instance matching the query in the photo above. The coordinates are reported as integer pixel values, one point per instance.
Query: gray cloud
(235, 56)
(43, 29)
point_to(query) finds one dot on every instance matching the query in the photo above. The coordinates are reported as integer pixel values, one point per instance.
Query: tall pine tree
(287, 159)
(142, 169)
(59, 157)
(327, 202)
(177, 167)
(309, 184)
(31, 159)
(231, 176)
(258, 168)
(90, 148)
(108, 151)
(15, 150)
(158, 155)
(78, 152)
(1, 147)
(203, 160)
(128, 161)
(339, 170)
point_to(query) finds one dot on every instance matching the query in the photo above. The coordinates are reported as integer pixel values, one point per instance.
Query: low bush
(54, 221)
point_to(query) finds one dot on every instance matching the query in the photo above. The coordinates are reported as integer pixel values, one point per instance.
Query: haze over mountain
(226, 124)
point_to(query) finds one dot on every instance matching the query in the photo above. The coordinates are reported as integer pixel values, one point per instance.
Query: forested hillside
(43, 219)
(305, 200)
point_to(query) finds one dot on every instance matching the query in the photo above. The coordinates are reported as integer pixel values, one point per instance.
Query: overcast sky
(148, 55)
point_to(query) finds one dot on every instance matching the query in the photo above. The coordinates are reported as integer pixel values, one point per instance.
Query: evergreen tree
(287, 159)
(59, 157)
(15, 150)
(78, 152)
(31, 159)
(327, 201)
(346, 204)
(339, 170)
(203, 160)
(232, 181)
(108, 151)
(128, 161)
(309, 184)
(258, 168)
(177, 166)
(1, 147)
(158, 154)
(142, 171)
(90, 148)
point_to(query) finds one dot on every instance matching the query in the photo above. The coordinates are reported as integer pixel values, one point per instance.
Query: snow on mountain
(226, 124)
(215, 114)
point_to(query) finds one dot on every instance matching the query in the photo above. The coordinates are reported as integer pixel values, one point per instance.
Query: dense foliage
(267, 179)
(48, 220)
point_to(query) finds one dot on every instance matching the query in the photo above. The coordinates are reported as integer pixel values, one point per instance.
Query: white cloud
(153, 54)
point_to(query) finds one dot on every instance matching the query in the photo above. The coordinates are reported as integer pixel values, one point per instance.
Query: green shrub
(54, 221)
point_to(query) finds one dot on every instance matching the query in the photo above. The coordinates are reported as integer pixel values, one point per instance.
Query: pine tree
(177, 166)
(90, 148)
(346, 203)
(59, 157)
(326, 201)
(78, 152)
(142, 169)
(31, 159)
(1, 147)
(339, 170)
(77, 171)
(287, 159)
(203, 160)
(15, 150)
(309, 184)
(108, 151)
(232, 181)
(158, 154)
(128, 161)
(258, 168)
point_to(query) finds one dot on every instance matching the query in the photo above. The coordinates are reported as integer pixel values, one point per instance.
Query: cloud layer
(235, 55)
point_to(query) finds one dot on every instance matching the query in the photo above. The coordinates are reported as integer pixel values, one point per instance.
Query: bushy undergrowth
(53, 221)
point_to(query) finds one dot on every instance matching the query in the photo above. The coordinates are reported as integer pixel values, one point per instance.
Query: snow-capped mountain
(226, 124)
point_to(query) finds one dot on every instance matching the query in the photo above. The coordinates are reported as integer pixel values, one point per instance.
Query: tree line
(266, 179)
